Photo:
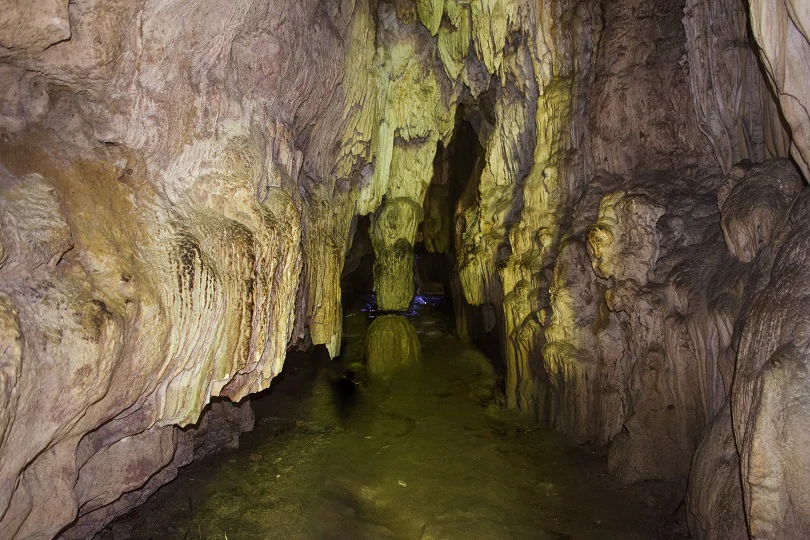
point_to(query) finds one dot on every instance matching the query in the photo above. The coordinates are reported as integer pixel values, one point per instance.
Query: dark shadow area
(357, 277)
(453, 194)
(283, 399)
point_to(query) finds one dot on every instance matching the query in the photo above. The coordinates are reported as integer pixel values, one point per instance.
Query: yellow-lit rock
(391, 344)
(179, 182)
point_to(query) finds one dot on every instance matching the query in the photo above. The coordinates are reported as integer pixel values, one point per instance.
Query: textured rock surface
(179, 182)
(714, 499)
(655, 243)
(642, 117)
(782, 31)
(770, 393)
(154, 199)
(735, 108)
(159, 453)
(391, 344)
(769, 397)
(393, 231)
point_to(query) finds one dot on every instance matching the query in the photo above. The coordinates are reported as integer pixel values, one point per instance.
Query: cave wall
(180, 182)
(735, 105)
(782, 35)
(157, 209)
(764, 225)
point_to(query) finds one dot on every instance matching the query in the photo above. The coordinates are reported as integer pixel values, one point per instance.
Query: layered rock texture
(391, 344)
(180, 183)
(164, 238)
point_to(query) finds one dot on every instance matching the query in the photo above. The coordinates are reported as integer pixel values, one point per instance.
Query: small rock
(401, 483)
(255, 457)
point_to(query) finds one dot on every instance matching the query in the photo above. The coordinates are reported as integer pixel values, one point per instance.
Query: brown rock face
(782, 31)
(152, 222)
(735, 107)
(179, 182)
(642, 116)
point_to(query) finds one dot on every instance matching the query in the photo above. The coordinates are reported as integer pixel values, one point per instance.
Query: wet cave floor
(428, 456)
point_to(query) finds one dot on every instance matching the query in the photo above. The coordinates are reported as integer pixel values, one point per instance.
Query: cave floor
(429, 456)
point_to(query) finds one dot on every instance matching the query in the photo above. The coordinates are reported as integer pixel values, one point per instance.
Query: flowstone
(392, 343)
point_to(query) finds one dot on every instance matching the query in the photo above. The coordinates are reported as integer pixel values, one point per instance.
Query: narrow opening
(461, 166)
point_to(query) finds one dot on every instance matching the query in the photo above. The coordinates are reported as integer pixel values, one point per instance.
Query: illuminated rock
(782, 31)
(391, 344)
(179, 182)
(392, 233)
(153, 227)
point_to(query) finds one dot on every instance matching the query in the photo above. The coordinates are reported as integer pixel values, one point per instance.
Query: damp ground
(427, 455)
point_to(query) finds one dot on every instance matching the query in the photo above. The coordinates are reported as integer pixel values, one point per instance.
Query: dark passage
(424, 455)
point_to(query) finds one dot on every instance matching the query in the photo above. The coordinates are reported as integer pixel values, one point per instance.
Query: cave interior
(395, 269)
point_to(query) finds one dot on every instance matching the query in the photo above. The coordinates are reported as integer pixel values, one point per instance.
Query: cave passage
(363, 447)
(425, 454)
(405, 269)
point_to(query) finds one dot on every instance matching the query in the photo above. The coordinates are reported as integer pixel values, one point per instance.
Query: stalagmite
(391, 344)
(180, 183)
(392, 233)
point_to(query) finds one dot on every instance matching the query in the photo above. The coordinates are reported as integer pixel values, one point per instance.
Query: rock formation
(391, 344)
(180, 183)
(393, 232)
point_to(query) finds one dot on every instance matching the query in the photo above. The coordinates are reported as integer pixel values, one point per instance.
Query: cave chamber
(404, 269)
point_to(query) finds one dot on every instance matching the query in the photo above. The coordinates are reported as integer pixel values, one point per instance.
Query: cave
(404, 269)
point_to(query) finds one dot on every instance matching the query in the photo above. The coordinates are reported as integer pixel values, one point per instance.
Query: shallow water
(426, 456)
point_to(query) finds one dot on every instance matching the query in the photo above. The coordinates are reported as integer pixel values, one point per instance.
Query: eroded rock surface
(393, 232)
(391, 344)
(153, 214)
(782, 31)
(179, 182)
(735, 108)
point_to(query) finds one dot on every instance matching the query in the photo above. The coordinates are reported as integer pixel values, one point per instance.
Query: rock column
(393, 232)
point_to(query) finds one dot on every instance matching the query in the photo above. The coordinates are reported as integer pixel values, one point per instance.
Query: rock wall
(763, 225)
(755, 204)
(179, 182)
(735, 105)
(640, 262)
(782, 31)
(160, 186)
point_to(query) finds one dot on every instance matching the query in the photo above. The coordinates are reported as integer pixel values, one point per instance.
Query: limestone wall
(179, 182)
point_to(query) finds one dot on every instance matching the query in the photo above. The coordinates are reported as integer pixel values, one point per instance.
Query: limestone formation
(391, 344)
(782, 31)
(714, 499)
(653, 246)
(180, 183)
(752, 203)
(769, 396)
(393, 232)
(152, 220)
(742, 120)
